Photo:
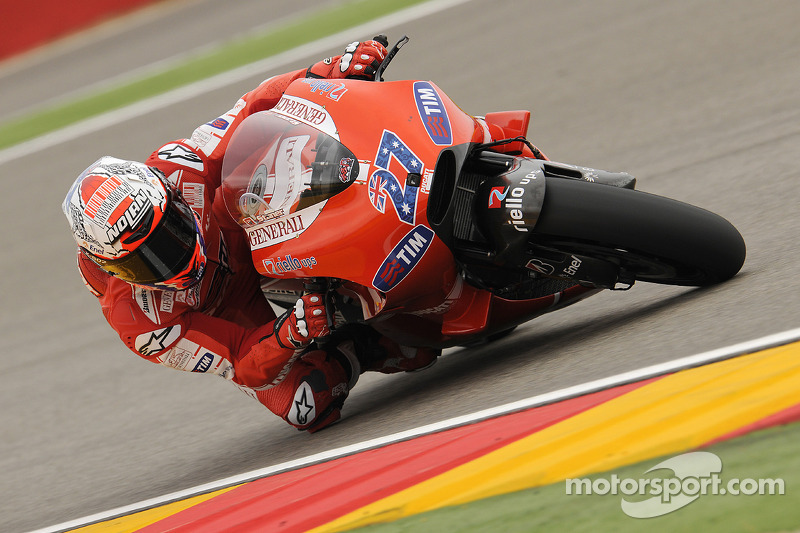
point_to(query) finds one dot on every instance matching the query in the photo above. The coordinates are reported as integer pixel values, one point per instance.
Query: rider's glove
(306, 321)
(360, 60)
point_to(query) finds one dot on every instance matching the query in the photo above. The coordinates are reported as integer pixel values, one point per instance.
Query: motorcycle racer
(174, 276)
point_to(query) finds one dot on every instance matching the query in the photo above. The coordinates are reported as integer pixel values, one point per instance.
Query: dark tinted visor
(166, 253)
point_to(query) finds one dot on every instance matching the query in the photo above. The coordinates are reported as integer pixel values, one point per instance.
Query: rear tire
(651, 238)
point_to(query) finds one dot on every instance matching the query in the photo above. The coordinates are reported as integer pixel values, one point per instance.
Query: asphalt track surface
(698, 99)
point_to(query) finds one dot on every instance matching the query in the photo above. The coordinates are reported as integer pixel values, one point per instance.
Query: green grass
(772, 453)
(235, 54)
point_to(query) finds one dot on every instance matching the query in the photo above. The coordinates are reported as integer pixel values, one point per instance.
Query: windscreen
(275, 166)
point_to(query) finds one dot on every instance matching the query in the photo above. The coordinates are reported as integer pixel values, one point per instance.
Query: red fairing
(369, 224)
(370, 218)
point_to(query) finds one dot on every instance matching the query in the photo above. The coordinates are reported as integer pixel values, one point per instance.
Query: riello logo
(514, 203)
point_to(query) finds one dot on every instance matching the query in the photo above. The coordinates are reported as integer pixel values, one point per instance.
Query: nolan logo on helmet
(131, 217)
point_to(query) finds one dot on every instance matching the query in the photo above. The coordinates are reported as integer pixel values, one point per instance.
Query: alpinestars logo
(303, 409)
(181, 155)
(156, 341)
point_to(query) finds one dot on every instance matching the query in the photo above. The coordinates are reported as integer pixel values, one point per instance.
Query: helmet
(129, 220)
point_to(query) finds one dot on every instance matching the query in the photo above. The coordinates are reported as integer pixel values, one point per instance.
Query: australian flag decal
(433, 114)
(403, 258)
(383, 184)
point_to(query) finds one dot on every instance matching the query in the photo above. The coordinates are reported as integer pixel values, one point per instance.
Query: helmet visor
(164, 255)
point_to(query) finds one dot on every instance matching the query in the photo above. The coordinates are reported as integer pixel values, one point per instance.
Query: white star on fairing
(405, 208)
(414, 163)
(395, 144)
(393, 187)
(385, 150)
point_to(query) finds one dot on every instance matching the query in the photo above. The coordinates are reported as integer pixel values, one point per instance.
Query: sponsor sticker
(427, 179)
(219, 123)
(515, 203)
(208, 136)
(307, 112)
(204, 364)
(191, 357)
(167, 301)
(540, 266)
(176, 358)
(279, 266)
(327, 88)
(194, 194)
(496, 197)
(403, 258)
(433, 113)
(146, 299)
(283, 228)
(200, 138)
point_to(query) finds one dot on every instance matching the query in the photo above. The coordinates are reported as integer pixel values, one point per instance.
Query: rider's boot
(311, 395)
(377, 353)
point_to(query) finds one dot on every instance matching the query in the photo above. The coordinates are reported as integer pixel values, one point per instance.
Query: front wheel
(650, 238)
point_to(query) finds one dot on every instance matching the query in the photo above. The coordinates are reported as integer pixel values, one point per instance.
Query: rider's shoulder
(178, 157)
(139, 308)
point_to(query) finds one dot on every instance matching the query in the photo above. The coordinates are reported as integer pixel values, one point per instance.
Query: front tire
(651, 238)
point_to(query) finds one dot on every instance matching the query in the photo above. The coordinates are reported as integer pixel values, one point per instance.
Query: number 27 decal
(384, 185)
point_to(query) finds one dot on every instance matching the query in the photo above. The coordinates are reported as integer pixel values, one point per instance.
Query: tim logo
(220, 124)
(496, 197)
(433, 114)
(204, 364)
(403, 258)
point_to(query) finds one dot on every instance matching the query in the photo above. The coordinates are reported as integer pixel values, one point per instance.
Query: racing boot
(311, 395)
(377, 353)
(398, 358)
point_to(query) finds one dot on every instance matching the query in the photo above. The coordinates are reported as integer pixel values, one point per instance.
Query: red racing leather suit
(222, 325)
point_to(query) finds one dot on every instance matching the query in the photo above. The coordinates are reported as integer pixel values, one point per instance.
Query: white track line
(640, 374)
(225, 79)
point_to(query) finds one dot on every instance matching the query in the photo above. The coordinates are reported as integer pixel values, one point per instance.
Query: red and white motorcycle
(399, 205)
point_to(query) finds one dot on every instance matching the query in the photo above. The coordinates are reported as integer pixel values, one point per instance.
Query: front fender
(507, 207)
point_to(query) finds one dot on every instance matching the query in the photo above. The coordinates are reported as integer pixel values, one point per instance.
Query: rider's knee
(313, 392)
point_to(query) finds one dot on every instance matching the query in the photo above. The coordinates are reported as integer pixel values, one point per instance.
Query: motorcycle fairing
(344, 230)
(348, 235)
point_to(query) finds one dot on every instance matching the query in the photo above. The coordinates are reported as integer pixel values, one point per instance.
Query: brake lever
(389, 56)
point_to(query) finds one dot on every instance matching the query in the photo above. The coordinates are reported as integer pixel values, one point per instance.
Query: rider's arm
(162, 327)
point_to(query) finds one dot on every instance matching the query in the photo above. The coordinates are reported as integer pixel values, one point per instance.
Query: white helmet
(127, 218)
